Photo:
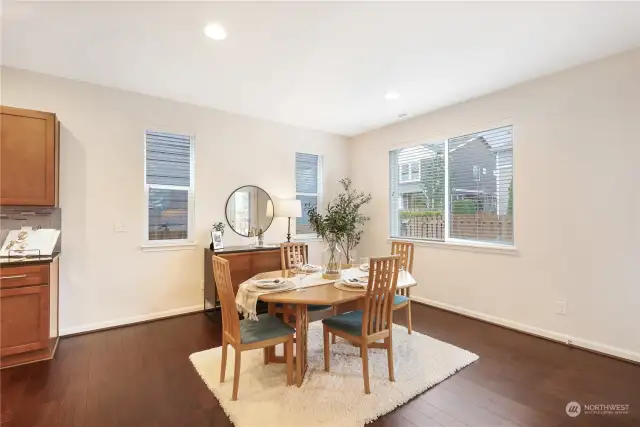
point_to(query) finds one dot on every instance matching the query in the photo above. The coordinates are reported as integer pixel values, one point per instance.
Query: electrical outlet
(561, 308)
(119, 227)
(202, 285)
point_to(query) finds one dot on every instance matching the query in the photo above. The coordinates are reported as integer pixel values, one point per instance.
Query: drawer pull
(17, 276)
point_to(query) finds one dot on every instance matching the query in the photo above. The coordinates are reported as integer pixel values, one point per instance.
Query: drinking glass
(364, 260)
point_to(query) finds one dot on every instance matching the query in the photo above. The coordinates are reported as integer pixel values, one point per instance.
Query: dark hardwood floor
(141, 376)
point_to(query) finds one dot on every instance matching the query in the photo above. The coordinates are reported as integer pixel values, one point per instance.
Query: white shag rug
(330, 399)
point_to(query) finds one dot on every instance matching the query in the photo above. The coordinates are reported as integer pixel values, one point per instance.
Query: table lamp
(288, 209)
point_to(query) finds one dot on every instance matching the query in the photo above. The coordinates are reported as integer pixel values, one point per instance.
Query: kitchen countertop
(16, 260)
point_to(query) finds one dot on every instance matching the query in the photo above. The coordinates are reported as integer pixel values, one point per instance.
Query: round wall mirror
(249, 210)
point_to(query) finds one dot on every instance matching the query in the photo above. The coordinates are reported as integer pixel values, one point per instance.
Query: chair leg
(326, 348)
(223, 362)
(236, 375)
(409, 313)
(365, 367)
(334, 313)
(288, 352)
(389, 344)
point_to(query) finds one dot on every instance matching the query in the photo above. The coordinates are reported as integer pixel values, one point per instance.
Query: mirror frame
(226, 205)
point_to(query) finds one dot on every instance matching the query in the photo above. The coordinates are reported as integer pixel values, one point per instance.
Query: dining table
(310, 294)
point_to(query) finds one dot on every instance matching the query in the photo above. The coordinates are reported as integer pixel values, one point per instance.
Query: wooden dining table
(326, 294)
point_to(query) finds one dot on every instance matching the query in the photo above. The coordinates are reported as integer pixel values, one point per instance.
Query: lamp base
(289, 231)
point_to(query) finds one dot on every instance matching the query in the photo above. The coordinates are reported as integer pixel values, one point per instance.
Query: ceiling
(323, 66)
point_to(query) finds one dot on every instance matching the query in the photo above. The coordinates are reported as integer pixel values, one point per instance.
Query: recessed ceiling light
(392, 94)
(215, 32)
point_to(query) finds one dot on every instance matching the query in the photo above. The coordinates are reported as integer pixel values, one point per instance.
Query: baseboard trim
(595, 347)
(92, 327)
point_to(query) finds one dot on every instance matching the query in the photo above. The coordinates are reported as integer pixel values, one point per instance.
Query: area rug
(330, 399)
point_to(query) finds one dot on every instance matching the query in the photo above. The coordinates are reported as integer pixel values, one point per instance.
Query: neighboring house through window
(169, 187)
(466, 196)
(308, 188)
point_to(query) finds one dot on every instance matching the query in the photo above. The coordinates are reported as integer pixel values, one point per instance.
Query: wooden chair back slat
(383, 279)
(292, 253)
(405, 251)
(230, 320)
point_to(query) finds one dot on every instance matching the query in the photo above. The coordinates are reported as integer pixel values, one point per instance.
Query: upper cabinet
(29, 153)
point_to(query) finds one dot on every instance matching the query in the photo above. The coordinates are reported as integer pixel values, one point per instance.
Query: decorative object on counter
(288, 209)
(217, 240)
(217, 236)
(249, 208)
(27, 241)
(260, 238)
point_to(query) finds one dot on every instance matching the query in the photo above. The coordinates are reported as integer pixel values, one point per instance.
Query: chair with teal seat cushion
(266, 328)
(374, 323)
(247, 334)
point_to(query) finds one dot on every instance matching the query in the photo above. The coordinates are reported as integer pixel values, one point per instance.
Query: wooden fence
(484, 226)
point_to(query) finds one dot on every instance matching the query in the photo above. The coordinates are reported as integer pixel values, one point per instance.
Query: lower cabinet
(24, 321)
(28, 312)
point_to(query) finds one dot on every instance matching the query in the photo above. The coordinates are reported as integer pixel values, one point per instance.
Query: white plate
(269, 283)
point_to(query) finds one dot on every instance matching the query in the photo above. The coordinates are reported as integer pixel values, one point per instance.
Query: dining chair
(247, 334)
(292, 253)
(372, 323)
(403, 296)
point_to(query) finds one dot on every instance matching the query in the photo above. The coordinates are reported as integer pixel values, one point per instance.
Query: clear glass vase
(331, 261)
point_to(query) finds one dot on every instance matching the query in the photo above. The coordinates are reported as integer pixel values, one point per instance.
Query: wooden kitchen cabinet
(24, 319)
(28, 311)
(29, 153)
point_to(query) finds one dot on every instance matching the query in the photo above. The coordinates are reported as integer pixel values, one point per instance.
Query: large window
(308, 187)
(168, 185)
(464, 189)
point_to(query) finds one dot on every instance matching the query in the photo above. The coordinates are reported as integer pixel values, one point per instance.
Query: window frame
(411, 179)
(318, 195)
(170, 244)
(452, 242)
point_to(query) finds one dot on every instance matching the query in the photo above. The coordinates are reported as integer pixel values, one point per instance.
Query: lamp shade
(287, 208)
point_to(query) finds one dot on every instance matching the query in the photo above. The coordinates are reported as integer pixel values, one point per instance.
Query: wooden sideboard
(29, 157)
(29, 316)
(244, 263)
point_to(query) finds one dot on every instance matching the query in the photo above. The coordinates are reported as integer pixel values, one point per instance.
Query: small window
(169, 176)
(410, 171)
(308, 188)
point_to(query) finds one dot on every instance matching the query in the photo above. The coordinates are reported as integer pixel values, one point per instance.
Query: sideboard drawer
(25, 275)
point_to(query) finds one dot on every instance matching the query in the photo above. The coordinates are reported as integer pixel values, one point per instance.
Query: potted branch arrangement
(340, 226)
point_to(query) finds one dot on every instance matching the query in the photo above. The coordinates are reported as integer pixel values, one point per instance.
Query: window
(308, 187)
(410, 171)
(169, 176)
(465, 195)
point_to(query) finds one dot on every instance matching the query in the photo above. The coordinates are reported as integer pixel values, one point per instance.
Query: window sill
(462, 245)
(168, 246)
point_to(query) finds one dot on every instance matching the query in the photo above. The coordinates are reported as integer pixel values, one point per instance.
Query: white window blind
(480, 178)
(417, 191)
(479, 191)
(169, 172)
(308, 187)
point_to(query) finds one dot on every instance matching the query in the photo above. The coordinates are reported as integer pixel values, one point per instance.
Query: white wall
(105, 277)
(576, 203)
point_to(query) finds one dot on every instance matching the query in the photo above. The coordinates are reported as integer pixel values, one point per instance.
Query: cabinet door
(24, 319)
(27, 157)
